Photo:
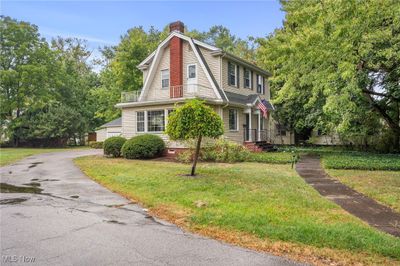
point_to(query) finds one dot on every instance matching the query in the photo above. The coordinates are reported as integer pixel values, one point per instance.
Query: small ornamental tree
(194, 120)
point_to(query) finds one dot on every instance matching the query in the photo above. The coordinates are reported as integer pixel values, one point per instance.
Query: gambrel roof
(153, 59)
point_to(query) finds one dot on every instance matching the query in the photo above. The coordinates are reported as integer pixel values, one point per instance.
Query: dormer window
(260, 84)
(247, 78)
(165, 78)
(232, 74)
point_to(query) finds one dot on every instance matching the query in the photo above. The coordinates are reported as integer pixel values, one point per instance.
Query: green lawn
(272, 157)
(10, 155)
(362, 161)
(267, 201)
(339, 158)
(383, 186)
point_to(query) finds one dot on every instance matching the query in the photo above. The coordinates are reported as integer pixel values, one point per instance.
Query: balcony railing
(180, 91)
(191, 90)
(130, 96)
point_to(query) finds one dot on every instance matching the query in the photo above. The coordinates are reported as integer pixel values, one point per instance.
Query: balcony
(173, 92)
(191, 91)
(130, 96)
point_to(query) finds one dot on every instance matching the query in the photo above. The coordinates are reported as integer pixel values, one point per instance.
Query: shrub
(222, 150)
(143, 147)
(96, 144)
(112, 146)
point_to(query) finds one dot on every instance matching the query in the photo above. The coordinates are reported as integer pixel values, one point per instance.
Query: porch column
(250, 118)
(259, 126)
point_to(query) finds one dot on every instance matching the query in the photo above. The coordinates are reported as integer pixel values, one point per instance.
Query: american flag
(263, 108)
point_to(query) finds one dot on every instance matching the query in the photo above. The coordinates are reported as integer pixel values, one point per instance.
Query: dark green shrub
(96, 144)
(143, 147)
(112, 146)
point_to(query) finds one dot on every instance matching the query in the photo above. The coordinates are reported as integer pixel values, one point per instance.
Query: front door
(192, 78)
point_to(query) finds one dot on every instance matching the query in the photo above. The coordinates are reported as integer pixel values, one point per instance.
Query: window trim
(169, 79)
(237, 120)
(260, 82)
(187, 71)
(235, 66)
(244, 78)
(144, 121)
(147, 120)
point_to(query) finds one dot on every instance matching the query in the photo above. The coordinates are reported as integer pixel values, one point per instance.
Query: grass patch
(362, 161)
(10, 155)
(271, 157)
(383, 186)
(270, 203)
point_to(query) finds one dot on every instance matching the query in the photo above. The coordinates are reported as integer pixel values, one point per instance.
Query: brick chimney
(177, 25)
(175, 61)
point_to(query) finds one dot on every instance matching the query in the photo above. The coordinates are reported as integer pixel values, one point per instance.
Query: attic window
(165, 78)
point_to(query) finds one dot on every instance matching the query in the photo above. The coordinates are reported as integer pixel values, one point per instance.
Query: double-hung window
(165, 78)
(233, 120)
(232, 74)
(260, 85)
(155, 121)
(140, 121)
(247, 78)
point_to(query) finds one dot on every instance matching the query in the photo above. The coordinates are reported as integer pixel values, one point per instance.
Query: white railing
(191, 90)
(180, 91)
(130, 96)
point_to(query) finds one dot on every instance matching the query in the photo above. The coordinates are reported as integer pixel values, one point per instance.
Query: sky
(103, 22)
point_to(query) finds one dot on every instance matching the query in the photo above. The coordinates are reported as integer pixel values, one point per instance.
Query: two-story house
(182, 68)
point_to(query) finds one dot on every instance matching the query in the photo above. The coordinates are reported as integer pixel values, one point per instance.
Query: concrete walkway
(365, 208)
(52, 214)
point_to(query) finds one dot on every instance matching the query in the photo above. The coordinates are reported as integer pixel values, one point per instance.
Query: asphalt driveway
(52, 214)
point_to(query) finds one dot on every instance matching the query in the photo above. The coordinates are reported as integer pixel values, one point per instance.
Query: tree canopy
(336, 66)
(194, 120)
(44, 87)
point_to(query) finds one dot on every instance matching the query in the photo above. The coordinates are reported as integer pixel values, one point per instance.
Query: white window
(232, 73)
(260, 85)
(247, 78)
(156, 121)
(140, 122)
(191, 72)
(233, 120)
(165, 78)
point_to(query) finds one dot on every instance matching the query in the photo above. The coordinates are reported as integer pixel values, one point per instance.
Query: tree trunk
(196, 156)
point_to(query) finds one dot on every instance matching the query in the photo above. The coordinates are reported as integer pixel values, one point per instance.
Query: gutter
(169, 101)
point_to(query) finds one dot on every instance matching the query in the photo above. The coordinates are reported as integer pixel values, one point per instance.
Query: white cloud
(91, 39)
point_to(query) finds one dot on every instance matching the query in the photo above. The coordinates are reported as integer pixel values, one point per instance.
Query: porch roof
(246, 99)
(115, 123)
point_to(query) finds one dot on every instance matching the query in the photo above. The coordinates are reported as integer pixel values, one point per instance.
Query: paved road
(61, 217)
(357, 204)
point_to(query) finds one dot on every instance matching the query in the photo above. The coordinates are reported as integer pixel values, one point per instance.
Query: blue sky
(103, 22)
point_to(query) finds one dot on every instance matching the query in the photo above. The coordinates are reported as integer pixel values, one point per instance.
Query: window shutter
(251, 80)
(263, 86)
(238, 76)
(244, 78)
(229, 79)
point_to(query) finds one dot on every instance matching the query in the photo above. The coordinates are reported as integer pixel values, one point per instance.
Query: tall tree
(26, 66)
(338, 57)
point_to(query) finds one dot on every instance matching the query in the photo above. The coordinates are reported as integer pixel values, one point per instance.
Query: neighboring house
(182, 68)
(111, 129)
